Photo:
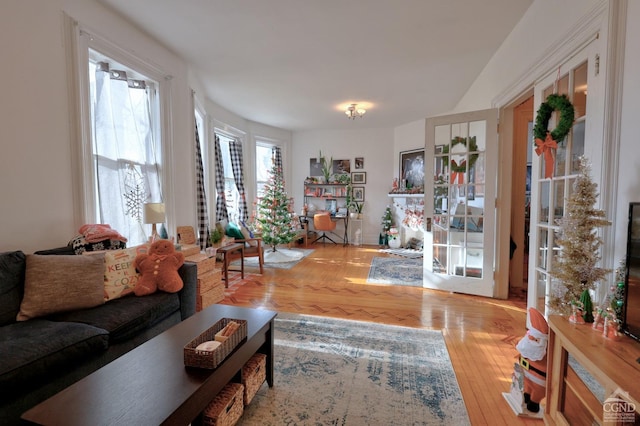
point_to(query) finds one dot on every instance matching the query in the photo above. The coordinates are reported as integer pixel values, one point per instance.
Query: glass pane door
(461, 196)
(549, 195)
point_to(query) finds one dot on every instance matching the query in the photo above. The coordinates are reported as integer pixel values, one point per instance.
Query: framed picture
(359, 163)
(358, 177)
(341, 166)
(315, 167)
(412, 168)
(358, 193)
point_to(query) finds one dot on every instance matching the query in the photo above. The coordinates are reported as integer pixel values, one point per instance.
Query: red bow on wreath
(547, 148)
(458, 175)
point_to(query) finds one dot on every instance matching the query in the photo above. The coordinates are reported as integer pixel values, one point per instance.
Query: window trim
(80, 39)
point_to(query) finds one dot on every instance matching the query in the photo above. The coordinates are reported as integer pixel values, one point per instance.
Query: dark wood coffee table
(151, 385)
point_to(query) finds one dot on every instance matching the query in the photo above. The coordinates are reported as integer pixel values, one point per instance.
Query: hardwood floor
(480, 333)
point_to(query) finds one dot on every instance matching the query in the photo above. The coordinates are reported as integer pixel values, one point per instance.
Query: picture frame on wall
(359, 163)
(359, 177)
(412, 168)
(341, 166)
(358, 193)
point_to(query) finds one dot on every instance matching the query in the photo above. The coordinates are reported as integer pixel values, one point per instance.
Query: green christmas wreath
(554, 102)
(471, 147)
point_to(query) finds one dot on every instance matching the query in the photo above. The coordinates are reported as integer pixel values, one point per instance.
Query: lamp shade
(154, 213)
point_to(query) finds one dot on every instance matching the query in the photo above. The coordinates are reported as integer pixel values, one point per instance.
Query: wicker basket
(226, 408)
(254, 373)
(210, 297)
(211, 359)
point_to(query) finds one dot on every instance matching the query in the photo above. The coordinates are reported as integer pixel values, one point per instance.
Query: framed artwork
(358, 193)
(315, 167)
(359, 163)
(358, 177)
(412, 168)
(341, 166)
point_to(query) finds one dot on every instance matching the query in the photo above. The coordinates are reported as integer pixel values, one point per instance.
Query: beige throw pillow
(120, 276)
(57, 283)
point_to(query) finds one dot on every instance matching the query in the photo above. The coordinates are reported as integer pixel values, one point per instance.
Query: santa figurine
(533, 359)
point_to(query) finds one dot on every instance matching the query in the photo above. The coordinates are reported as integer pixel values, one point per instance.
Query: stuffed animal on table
(158, 269)
(533, 359)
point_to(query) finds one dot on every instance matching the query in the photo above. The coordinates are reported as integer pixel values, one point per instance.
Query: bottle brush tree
(576, 270)
(273, 216)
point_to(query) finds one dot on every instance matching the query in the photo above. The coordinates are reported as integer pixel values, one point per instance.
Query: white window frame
(81, 39)
(230, 132)
(266, 143)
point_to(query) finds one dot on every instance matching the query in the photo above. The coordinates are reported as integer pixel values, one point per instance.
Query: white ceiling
(297, 64)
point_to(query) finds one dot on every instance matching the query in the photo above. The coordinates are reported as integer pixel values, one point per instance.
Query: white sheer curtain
(126, 157)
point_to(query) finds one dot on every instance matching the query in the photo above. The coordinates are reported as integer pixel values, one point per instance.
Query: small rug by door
(338, 372)
(391, 270)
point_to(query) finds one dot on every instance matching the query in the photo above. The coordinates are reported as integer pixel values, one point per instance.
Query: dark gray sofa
(42, 356)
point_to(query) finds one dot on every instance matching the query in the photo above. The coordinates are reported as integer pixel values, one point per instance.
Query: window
(121, 135)
(263, 165)
(232, 195)
(265, 156)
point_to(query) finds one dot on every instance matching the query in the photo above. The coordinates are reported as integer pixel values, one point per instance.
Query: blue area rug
(338, 372)
(391, 270)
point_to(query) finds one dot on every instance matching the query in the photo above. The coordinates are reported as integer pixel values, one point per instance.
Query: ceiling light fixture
(353, 111)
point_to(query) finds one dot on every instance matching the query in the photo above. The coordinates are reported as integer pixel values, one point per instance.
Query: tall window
(126, 156)
(231, 193)
(263, 165)
(265, 156)
(120, 131)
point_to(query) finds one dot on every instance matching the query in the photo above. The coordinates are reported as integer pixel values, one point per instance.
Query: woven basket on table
(211, 359)
(226, 408)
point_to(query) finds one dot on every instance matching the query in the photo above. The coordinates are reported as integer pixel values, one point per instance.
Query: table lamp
(153, 214)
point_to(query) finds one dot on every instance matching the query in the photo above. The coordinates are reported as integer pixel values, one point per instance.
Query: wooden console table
(150, 385)
(612, 363)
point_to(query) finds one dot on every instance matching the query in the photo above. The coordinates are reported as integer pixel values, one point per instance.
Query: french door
(549, 195)
(460, 184)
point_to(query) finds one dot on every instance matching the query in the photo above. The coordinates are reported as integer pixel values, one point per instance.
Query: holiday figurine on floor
(533, 359)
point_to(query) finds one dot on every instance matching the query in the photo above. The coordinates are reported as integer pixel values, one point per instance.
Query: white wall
(629, 166)
(377, 148)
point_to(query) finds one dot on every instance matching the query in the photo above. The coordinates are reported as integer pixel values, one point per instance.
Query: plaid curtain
(235, 150)
(221, 203)
(201, 195)
(276, 154)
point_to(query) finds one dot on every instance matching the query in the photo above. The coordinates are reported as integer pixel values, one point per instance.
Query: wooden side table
(226, 259)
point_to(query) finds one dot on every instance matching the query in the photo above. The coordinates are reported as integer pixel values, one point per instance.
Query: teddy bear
(533, 359)
(158, 269)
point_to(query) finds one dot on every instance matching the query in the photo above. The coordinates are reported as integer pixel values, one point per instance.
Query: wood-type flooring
(481, 333)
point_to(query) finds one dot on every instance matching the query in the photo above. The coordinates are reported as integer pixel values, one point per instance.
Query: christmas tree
(576, 270)
(273, 217)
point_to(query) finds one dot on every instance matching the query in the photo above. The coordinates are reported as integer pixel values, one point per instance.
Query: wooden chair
(253, 248)
(322, 222)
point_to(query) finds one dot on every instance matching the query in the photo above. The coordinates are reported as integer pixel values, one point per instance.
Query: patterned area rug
(403, 252)
(297, 255)
(338, 372)
(391, 270)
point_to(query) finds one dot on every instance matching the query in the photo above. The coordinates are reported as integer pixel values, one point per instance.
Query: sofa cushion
(36, 349)
(61, 283)
(125, 317)
(120, 276)
(12, 265)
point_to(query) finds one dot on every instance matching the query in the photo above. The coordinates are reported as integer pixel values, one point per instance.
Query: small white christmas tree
(575, 269)
(273, 216)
